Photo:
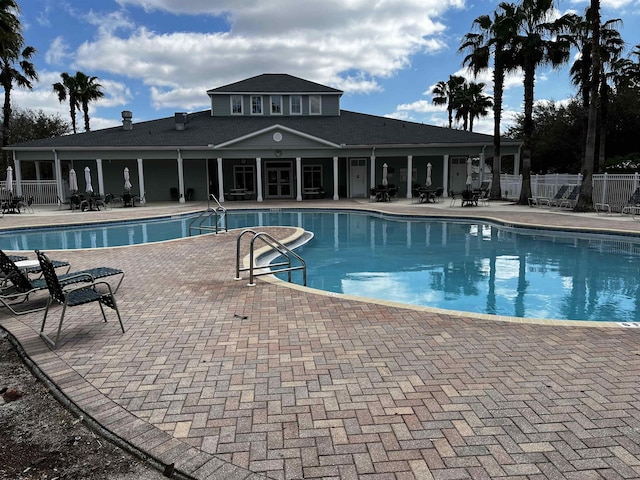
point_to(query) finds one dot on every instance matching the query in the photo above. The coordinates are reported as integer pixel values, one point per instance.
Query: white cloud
(346, 44)
(58, 52)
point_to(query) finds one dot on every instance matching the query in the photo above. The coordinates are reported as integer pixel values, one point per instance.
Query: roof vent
(126, 120)
(181, 120)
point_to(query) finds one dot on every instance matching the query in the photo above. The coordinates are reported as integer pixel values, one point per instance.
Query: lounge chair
(69, 295)
(17, 286)
(562, 192)
(632, 206)
(570, 200)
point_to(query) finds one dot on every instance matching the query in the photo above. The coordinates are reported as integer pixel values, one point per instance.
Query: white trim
(291, 112)
(276, 127)
(261, 112)
(319, 112)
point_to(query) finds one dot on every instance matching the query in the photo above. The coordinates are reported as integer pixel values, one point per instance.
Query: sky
(158, 57)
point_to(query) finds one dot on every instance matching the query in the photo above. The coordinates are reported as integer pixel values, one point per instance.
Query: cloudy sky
(157, 57)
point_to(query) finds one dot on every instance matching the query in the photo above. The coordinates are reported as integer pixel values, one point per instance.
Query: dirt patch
(40, 439)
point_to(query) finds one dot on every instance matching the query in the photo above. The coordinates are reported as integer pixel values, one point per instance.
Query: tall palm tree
(493, 37)
(68, 89)
(585, 199)
(15, 60)
(444, 93)
(535, 44)
(89, 90)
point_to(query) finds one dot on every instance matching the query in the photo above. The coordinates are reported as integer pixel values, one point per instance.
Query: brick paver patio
(229, 381)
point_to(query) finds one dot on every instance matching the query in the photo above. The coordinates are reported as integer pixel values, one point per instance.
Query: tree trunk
(6, 123)
(585, 199)
(498, 87)
(85, 111)
(529, 82)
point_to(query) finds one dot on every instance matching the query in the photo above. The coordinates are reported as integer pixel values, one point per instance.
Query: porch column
(516, 163)
(482, 165)
(298, 179)
(409, 175)
(143, 192)
(100, 176)
(180, 176)
(335, 178)
(57, 170)
(220, 180)
(372, 173)
(445, 175)
(259, 179)
(38, 171)
(18, 172)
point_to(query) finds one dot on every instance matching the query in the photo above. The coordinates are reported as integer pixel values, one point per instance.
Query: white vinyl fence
(614, 189)
(44, 191)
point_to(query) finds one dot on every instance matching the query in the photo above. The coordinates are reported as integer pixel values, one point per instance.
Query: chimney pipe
(126, 120)
(181, 120)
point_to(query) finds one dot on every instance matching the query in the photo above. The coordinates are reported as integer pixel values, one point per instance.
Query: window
(312, 176)
(315, 105)
(295, 103)
(276, 105)
(243, 177)
(256, 105)
(236, 104)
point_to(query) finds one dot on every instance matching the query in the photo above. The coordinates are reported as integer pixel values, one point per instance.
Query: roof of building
(203, 129)
(274, 83)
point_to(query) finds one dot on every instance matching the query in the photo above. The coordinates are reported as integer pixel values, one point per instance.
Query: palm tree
(479, 103)
(88, 90)
(585, 199)
(444, 93)
(535, 45)
(68, 89)
(494, 36)
(15, 60)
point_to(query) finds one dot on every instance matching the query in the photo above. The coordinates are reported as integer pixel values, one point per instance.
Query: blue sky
(157, 57)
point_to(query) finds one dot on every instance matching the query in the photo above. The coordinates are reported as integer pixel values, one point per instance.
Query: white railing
(44, 192)
(510, 186)
(546, 186)
(614, 189)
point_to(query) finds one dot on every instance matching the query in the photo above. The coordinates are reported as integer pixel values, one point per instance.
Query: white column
(298, 179)
(481, 168)
(143, 190)
(259, 178)
(372, 173)
(516, 163)
(100, 176)
(445, 175)
(409, 174)
(220, 181)
(180, 176)
(57, 168)
(38, 171)
(17, 170)
(335, 178)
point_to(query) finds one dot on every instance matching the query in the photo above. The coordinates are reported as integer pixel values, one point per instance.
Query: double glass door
(279, 181)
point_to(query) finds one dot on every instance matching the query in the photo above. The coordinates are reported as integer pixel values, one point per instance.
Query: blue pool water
(473, 266)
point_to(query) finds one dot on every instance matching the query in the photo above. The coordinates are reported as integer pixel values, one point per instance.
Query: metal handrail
(275, 245)
(208, 213)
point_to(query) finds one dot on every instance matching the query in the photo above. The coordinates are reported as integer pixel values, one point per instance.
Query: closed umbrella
(428, 182)
(9, 183)
(469, 173)
(73, 181)
(385, 181)
(127, 183)
(87, 177)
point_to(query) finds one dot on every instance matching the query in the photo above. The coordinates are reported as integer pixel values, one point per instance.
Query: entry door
(458, 173)
(358, 178)
(279, 182)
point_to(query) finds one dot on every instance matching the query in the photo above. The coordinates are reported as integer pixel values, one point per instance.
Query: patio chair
(632, 206)
(562, 192)
(73, 295)
(570, 200)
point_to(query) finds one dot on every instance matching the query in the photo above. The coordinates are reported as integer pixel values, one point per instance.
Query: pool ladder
(272, 268)
(219, 212)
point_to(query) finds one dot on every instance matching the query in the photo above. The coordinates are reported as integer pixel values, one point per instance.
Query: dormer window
(276, 104)
(256, 105)
(315, 104)
(295, 105)
(236, 105)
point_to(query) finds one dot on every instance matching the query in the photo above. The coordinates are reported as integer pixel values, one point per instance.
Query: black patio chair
(74, 295)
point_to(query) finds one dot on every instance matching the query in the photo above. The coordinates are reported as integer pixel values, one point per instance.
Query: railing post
(604, 188)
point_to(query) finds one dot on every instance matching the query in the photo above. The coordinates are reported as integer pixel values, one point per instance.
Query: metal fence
(44, 192)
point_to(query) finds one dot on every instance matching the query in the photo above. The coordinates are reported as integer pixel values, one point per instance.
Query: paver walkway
(228, 381)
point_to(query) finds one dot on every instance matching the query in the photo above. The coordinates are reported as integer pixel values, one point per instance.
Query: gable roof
(274, 83)
(347, 130)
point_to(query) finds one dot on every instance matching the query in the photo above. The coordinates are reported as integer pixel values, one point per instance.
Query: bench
(239, 194)
(312, 192)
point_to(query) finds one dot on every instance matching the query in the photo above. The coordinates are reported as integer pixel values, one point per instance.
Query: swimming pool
(473, 266)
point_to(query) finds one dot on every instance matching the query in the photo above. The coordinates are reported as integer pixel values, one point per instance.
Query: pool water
(472, 266)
